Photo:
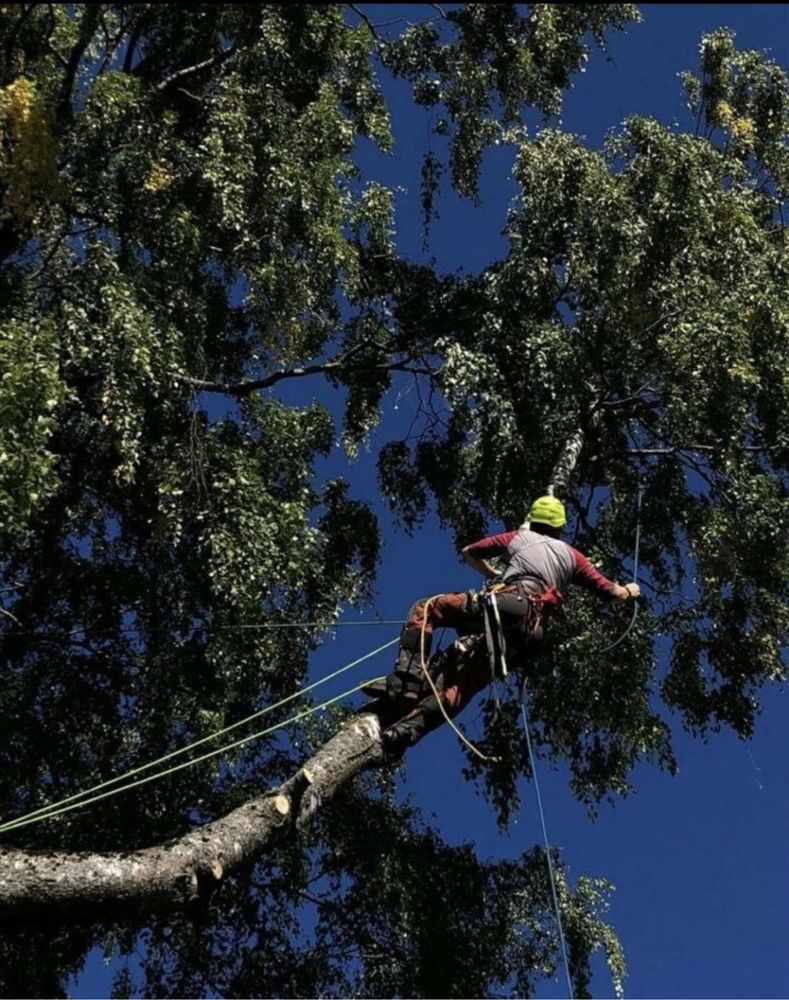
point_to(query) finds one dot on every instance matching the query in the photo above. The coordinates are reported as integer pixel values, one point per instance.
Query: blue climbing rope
(551, 875)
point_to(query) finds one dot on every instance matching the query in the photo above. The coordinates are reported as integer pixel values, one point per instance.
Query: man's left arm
(587, 576)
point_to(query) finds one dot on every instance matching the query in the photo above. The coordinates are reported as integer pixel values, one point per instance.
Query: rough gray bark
(565, 464)
(178, 873)
(568, 458)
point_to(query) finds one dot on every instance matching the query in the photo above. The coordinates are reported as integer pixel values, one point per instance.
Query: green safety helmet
(548, 510)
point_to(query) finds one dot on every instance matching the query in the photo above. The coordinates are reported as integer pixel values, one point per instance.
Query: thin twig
(360, 13)
(689, 462)
(381, 24)
(56, 246)
(638, 396)
(13, 618)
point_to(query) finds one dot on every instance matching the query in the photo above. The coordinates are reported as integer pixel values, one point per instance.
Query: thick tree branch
(240, 389)
(568, 459)
(87, 28)
(565, 464)
(176, 874)
(112, 43)
(187, 71)
(134, 38)
(708, 448)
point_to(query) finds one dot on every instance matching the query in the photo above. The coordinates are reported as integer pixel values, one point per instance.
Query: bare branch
(360, 13)
(708, 448)
(187, 71)
(12, 617)
(382, 24)
(190, 95)
(639, 396)
(240, 389)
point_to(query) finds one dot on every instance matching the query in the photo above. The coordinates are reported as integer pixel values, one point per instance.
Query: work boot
(386, 711)
(406, 684)
(375, 688)
(402, 735)
(410, 730)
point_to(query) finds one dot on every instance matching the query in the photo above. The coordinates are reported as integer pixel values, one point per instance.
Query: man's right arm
(476, 553)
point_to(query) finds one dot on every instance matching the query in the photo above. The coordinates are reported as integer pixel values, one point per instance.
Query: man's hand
(629, 592)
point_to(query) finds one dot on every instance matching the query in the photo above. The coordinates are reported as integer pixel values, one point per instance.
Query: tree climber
(538, 569)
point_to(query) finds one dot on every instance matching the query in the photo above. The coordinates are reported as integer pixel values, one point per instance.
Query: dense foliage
(184, 233)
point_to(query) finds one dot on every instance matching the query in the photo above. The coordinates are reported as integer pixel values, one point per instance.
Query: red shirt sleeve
(494, 545)
(587, 576)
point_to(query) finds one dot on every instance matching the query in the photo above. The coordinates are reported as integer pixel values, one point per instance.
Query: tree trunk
(82, 885)
(570, 453)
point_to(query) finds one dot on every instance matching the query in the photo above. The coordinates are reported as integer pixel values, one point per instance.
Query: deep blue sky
(700, 861)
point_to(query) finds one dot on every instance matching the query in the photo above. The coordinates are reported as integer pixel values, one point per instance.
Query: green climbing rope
(86, 797)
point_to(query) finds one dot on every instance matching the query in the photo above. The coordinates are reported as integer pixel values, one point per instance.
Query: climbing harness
(87, 796)
(494, 636)
(547, 847)
(495, 641)
(536, 604)
(496, 644)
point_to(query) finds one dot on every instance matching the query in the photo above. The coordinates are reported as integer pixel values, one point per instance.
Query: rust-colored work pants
(465, 667)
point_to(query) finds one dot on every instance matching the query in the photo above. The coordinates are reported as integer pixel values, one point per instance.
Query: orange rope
(423, 663)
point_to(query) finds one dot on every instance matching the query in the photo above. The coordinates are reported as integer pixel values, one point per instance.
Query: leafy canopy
(184, 232)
